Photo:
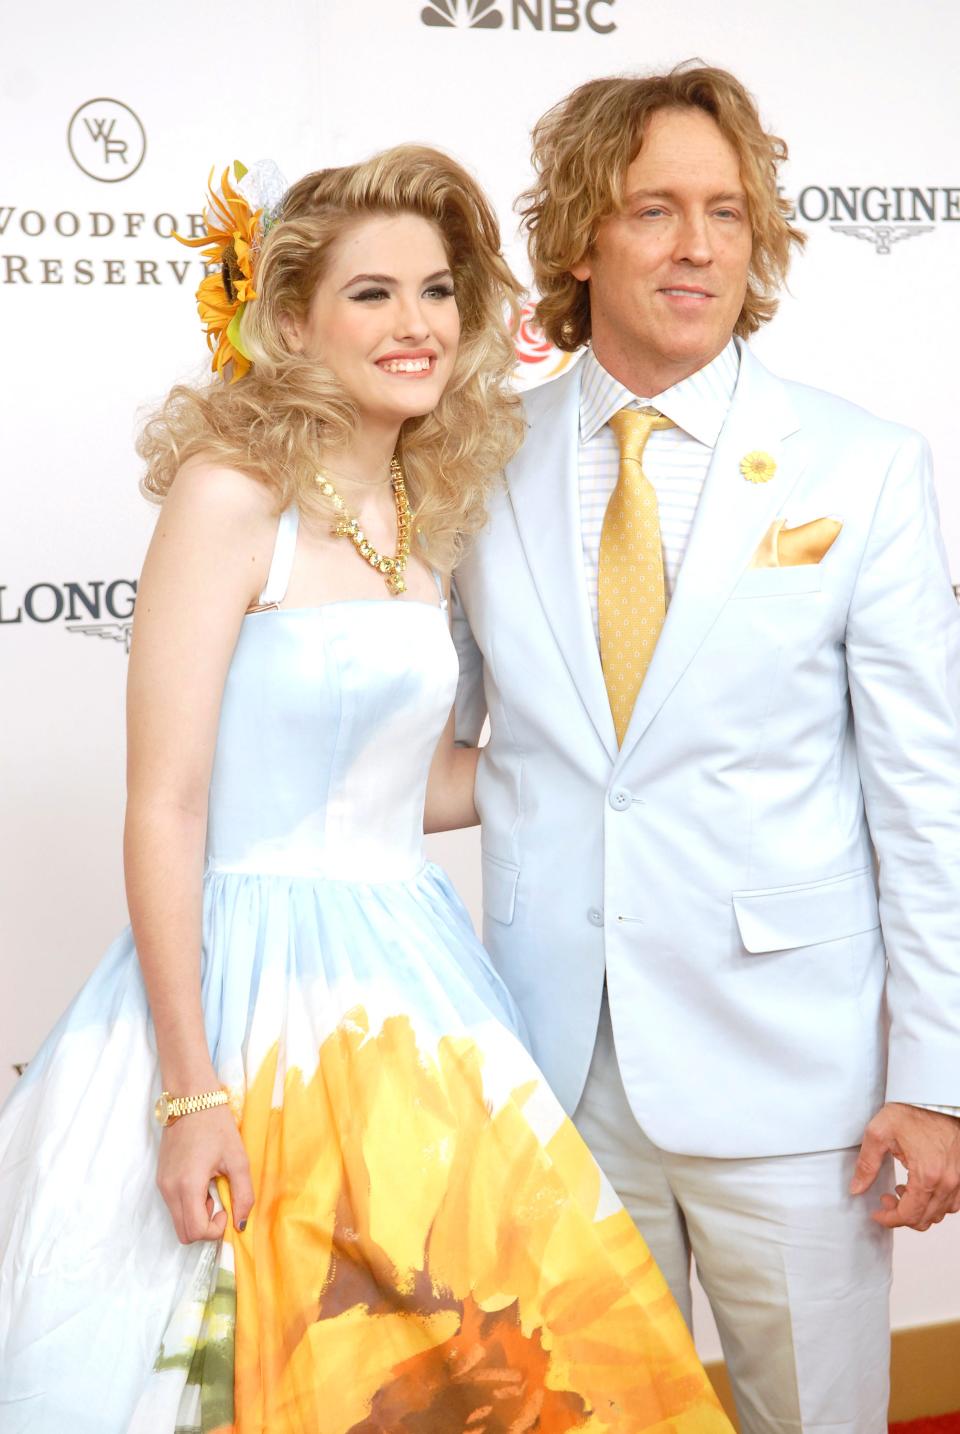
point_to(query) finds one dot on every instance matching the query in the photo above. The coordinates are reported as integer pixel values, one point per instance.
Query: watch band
(171, 1107)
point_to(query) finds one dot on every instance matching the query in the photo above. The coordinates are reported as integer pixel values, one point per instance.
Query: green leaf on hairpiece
(239, 170)
(233, 332)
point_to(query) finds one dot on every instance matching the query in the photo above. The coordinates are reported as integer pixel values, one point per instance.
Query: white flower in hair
(263, 187)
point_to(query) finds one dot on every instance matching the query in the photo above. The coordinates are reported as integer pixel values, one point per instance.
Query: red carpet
(943, 1424)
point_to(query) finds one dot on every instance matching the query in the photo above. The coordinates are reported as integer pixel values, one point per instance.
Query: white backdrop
(111, 119)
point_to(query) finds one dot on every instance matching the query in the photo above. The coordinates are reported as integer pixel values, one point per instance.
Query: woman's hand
(193, 1151)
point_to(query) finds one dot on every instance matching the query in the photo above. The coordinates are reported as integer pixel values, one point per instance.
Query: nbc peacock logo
(559, 17)
(462, 14)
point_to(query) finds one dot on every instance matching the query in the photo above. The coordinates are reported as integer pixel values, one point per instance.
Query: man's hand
(928, 1144)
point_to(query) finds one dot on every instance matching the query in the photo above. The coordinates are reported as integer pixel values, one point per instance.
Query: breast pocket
(778, 582)
(499, 888)
(783, 917)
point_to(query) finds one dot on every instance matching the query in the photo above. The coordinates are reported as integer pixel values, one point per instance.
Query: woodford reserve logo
(95, 609)
(106, 140)
(48, 246)
(881, 215)
(37, 234)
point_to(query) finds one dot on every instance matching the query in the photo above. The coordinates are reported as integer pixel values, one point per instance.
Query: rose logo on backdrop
(559, 16)
(106, 140)
(537, 358)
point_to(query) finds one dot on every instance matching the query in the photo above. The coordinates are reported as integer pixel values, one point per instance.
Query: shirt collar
(697, 404)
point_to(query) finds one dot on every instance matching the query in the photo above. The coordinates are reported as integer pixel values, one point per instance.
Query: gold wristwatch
(170, 1107)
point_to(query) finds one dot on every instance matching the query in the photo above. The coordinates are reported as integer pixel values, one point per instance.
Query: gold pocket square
(784, 547)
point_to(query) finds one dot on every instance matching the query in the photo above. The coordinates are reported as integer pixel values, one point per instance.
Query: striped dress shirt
(675, 459)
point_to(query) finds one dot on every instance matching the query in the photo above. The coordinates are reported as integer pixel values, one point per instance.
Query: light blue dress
(426, 1219)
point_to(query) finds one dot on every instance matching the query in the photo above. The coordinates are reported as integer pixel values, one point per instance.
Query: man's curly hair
(582, 149)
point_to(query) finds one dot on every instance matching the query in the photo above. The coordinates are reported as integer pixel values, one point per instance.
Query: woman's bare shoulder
(206, 489)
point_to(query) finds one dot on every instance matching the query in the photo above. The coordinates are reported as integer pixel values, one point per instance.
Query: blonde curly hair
(582, 149)
(276, 421)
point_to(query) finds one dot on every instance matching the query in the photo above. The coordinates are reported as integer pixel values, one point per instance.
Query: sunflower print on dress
(420, 1261)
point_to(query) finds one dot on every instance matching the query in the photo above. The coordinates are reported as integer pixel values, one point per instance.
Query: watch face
(162, 1110)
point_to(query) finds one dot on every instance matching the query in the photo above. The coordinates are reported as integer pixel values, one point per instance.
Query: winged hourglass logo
(883, 235)
(463, 14)
(112, 631)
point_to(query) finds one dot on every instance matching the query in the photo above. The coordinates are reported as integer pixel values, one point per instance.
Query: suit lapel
(544, 491)
(732, 517)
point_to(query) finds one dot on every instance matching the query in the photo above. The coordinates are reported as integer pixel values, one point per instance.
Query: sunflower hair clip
(236, 219)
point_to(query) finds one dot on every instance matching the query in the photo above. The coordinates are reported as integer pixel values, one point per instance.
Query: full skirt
(432, 1249)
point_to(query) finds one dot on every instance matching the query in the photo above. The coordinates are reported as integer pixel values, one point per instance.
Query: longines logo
(881, 216)
(108, 145)
(95, 609)
(106, 140)
(559, 16)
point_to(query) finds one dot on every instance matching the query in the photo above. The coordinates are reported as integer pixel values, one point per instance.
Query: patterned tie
(632, 597)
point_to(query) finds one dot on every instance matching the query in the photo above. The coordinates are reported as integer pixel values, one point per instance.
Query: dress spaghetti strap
(281, 564)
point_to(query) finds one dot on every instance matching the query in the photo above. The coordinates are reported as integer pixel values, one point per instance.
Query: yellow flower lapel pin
(757, 467)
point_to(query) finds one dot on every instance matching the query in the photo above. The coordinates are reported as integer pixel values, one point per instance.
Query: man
(711, 622)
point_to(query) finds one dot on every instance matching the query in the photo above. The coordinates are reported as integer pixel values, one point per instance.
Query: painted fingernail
(242, 1226)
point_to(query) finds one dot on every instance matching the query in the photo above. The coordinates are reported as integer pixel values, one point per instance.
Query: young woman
(359, 1209)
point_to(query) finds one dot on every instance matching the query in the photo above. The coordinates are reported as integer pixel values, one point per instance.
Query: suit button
(595, 917)
(620, 799)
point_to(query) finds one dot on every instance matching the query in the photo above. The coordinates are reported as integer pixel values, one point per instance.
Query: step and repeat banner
(112, 119)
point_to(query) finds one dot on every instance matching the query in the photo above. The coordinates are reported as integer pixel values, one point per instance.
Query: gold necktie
(632, 597)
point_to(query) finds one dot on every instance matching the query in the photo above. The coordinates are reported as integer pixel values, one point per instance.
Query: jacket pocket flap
(780, 918)
(499, 888)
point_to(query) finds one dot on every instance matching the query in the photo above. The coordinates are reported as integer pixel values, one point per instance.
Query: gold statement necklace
(348, 527)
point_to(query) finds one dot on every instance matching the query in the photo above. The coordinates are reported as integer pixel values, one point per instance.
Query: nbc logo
(559, 16)
(475, 14)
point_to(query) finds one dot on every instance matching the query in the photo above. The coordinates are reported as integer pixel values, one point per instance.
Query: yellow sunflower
(417, 1260)
(230, 242)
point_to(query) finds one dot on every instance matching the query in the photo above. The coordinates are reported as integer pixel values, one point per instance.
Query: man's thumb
(873, 1152)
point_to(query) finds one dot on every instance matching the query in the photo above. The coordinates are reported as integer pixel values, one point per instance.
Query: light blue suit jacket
(794, 753)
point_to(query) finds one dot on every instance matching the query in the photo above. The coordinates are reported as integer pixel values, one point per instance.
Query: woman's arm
(453, 774)
(207, 558)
